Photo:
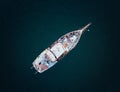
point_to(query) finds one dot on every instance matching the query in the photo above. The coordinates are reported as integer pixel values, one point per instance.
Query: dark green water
(31, 26)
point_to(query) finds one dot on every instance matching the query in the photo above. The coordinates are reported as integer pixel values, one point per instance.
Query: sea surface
(30, 26)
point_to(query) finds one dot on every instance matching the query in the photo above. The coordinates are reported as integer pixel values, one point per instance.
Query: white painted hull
(58, 50)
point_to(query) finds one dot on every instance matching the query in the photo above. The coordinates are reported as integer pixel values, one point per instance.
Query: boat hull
(57, 50)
